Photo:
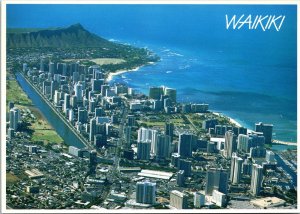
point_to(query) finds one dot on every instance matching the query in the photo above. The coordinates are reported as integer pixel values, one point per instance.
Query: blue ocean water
(250, 75)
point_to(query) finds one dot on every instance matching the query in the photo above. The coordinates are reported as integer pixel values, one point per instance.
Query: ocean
(247, 74)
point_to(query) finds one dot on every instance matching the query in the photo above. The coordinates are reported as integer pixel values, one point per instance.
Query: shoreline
(119, 72)
(231, 120)
(275, 141)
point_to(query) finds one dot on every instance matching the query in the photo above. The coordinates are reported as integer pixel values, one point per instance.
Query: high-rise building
(156, 92)
(270, 157)
(24, 67)
(10, 105)
(99, 112)
(97, 74)
(14, 117)
(148, 135)
(93, 162)
(104, 88)
(185, 145)
(131, 120)
(93, 129)
(144, 134)
(180, 180)
(186, 166)
(163, 146)
(178, 200)
(42, 66)
(157, 105)
(256, 179)
(54, 86)
(258, 152)
(82, 115)
(79, 91)
(236, 169)
(247, 167)
(199, 108)
(146, 192)
(100, 140)
(66, 102)
(186, 108)
(211, 147)
(52, 69)
(143, 150)
(171, 93)
(220, 130)
(75, 77)
(46, 87)
(96, 84)
(167, 103)
(216, 179)
(57, 95)
(128, 154)
(73, 101)
(61, 68)
(169, 130)
(121, 89)
(266, 129)
(10, 133)
(175, 159)
(92, 105)
(245, 142)
(199, 199)
(127, 132)
(230, 144)
(75, 151)
(210, 123)
(71, 115)
(219, 198)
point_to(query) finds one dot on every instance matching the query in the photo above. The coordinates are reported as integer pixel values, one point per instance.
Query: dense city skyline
(81, 135)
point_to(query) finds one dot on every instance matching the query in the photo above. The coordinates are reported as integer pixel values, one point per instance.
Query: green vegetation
(15, 93)
(161, 123)
(105, 61)
(42, 130)
(73, 43)
(98, 61)
(39, 129)
(46, 136)
(152, 124)
(26, 30)
(73, 36)
(11, 178)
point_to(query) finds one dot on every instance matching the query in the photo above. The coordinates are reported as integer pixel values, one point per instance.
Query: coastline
(275, 141)
(119, 72)
(230, 119)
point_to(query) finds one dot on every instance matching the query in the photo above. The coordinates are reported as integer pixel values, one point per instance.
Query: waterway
(70, 138)
(60, 127)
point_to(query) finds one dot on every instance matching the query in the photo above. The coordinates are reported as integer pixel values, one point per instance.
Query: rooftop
(156, 174)
(268, 202)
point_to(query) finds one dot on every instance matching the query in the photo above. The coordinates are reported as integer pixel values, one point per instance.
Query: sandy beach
(230, 119)
(119, 72)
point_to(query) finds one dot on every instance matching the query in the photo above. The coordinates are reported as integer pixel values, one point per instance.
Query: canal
(64, 131)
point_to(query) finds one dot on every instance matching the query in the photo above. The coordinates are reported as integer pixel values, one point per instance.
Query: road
(121, 140)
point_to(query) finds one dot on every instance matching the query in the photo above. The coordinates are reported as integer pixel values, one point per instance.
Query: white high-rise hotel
(256, 179)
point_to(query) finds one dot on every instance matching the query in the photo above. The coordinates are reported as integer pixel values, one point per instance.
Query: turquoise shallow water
(226, 91)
